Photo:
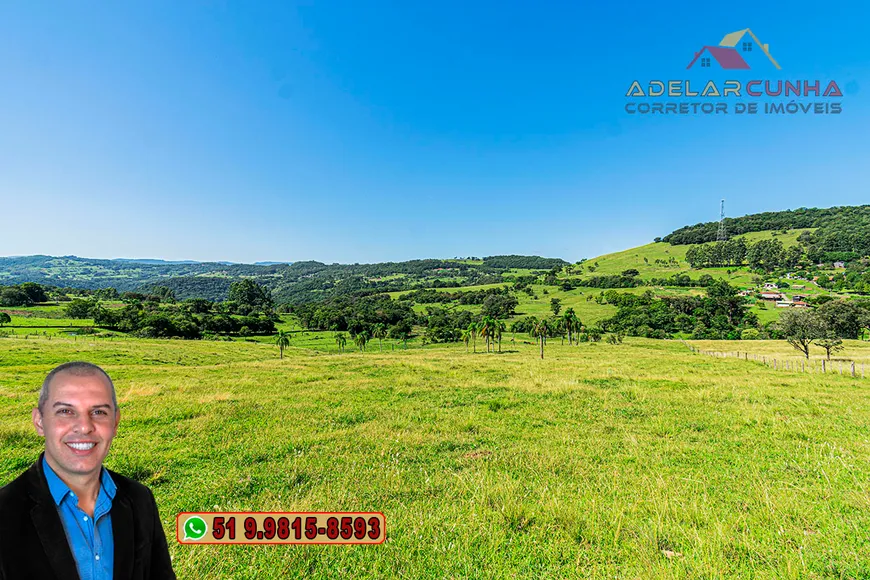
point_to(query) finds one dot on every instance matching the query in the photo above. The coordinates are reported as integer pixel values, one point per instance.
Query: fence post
(853, 369)
(774, 364)
(823, 365)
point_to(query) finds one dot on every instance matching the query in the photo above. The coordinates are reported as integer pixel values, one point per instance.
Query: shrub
(749, 334)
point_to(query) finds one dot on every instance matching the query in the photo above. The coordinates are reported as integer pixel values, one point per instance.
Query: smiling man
(68, 517)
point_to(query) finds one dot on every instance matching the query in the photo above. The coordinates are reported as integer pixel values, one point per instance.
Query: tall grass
(639, 460)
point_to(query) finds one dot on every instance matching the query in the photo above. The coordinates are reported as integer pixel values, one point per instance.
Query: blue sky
(364, 132)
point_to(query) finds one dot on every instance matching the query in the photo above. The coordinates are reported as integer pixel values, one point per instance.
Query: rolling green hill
(656, 265)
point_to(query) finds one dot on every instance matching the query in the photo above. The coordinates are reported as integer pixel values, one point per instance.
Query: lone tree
(282, 339)
(831, 343)
(4, 318)
(801, 328)
(466, 338)
(555, 306)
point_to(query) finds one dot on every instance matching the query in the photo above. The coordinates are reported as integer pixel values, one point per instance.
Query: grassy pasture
(855, 350)
(638, 460)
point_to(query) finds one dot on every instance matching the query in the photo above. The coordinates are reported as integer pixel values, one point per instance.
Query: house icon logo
(739, 50)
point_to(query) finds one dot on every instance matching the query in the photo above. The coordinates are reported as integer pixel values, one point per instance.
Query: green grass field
(641, 460)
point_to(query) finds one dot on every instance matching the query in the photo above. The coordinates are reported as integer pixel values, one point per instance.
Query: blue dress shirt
(92, 545)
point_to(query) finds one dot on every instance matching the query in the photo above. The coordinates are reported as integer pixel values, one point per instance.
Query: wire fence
(837, 366)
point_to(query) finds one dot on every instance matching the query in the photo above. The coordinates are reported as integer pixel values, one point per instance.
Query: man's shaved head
(78, 369)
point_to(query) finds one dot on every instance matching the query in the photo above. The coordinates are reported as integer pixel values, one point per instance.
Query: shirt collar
(59, 489)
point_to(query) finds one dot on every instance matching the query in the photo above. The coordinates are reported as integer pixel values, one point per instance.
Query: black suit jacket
(33, 543)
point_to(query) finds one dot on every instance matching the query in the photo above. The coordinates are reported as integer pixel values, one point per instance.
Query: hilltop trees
(839, 230)
(764, 254)
(729, 253)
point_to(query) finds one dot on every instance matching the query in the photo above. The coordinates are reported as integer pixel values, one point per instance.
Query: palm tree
(534, 325)
(485, 329)
(568, 323)
(340, 340)
(466, 338)
(542, 330)
(576, 324)
(361, 339)
(380, 332)
(472, 329)
(282, 340)
(500, 327)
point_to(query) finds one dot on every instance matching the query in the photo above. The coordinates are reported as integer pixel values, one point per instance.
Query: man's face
(78, 422)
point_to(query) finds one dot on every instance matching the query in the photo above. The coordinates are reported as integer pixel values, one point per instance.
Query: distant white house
(770, 286)
(771, 296)
(839, 264)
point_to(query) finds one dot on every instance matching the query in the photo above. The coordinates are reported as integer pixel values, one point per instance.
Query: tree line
(766, 255)
(721, 314)
(838, 230)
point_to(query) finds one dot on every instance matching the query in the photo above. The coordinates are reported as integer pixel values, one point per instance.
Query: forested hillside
(840, 233)
(295, 283)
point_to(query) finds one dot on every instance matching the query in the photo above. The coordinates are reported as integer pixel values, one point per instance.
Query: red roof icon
(728, 58)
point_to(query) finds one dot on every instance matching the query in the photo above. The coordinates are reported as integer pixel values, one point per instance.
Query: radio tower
(721, 236)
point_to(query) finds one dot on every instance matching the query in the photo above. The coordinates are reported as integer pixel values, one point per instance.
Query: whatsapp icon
(194, 528)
